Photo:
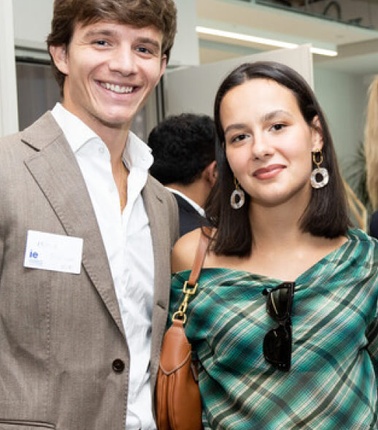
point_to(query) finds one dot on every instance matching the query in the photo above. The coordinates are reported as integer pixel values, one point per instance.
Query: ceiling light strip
(260, 40)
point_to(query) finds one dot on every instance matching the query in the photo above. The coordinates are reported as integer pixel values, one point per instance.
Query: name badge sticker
(47, 251)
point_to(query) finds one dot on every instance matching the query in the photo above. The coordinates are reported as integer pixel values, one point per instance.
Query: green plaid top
(332, 383)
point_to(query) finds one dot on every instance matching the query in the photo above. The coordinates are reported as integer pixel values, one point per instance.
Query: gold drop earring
(237, 196)
(319, 176)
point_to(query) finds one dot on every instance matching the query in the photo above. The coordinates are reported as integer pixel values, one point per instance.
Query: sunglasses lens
(277, 347)
(277, 342)
(279, 303)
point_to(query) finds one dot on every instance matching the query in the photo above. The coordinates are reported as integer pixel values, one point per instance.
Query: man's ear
(316, 134)
(210, 173)
(59, 56)
(163, 65)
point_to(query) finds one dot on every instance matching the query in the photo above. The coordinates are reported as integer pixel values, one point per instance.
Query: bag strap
(190, 286)
(200, 255)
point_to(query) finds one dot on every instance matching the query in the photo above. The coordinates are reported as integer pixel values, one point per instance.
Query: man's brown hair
(161, 14)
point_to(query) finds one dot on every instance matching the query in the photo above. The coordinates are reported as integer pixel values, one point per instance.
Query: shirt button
(118, 365)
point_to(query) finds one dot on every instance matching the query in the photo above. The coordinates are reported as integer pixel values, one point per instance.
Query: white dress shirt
(128, 243)
(196, 206)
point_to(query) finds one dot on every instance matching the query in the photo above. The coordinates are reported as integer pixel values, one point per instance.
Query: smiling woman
(282, 122)
(273, 321)
(260, 152)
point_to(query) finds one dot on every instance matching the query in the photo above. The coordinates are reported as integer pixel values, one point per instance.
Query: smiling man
(85, 232)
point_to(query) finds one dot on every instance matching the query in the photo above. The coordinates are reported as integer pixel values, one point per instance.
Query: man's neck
(193, 191)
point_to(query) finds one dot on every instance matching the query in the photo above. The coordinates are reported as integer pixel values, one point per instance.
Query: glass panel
(37, 90)
(361, 13)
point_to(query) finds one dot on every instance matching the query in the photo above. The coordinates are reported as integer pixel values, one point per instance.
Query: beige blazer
(64, 359)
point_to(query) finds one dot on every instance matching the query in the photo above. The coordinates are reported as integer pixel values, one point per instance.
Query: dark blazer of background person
(373, 225)
(189, 217)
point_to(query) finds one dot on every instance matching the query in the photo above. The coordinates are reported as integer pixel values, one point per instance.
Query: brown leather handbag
(178, 400)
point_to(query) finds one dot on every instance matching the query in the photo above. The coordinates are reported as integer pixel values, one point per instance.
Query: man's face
(110, 70)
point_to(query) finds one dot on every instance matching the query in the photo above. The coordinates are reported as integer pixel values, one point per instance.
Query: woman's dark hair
(327, 212)
(160, 14)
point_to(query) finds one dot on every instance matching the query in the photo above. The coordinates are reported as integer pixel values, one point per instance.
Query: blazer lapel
(160, 206)
(55, 169)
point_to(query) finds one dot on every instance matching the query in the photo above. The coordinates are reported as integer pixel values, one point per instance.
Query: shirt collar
(137, 153)
(196, 206)
(77, 133)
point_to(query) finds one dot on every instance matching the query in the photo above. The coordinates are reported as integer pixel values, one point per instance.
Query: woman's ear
(59, 56)
(316, 134)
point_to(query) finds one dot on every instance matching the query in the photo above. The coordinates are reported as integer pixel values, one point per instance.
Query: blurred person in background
(371, 154)
(183, 147)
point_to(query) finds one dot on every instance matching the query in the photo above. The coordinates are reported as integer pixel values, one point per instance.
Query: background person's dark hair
(326, 214)
(137, 13)
(182, 146)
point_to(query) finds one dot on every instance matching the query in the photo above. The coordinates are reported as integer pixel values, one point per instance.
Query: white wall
(193, 89)
(8, 87)
(186, 47)
(23, 22)
(32, 22)
(343, 99)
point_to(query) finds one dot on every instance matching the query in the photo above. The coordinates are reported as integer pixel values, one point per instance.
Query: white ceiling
(357, 47)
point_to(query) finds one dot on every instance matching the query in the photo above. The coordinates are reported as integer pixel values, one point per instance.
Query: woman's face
(268, 142)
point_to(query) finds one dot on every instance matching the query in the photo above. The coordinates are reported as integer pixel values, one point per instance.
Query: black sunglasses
(278, 341)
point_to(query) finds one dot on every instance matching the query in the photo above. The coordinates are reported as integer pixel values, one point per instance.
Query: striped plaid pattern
(332, 383)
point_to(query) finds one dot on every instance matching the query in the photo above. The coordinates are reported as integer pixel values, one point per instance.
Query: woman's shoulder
(184, 250)
(363, 245)
(361, 236)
